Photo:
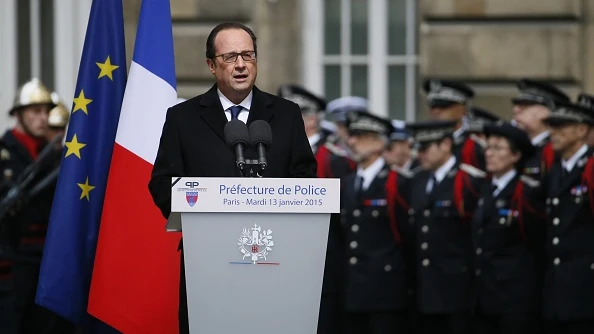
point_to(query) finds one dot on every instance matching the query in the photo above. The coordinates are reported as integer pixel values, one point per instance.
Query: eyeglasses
(231, 57)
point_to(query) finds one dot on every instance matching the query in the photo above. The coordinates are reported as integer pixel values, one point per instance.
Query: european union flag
(69, 253)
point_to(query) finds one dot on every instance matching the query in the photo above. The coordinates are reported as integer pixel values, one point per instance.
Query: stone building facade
(381, 49)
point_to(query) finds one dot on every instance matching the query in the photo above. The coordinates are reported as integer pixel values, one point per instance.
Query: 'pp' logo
(192, 184)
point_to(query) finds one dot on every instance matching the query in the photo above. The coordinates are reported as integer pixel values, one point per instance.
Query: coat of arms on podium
(255, 244)
(191, 197)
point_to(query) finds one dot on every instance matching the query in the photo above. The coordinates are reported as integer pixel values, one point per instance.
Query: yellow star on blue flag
(69, 253)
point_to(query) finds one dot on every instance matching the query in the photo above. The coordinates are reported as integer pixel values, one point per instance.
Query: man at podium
(193, 141)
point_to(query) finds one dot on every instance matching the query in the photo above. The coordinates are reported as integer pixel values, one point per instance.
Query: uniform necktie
(432, 184)
(494, 190)
(235, 110)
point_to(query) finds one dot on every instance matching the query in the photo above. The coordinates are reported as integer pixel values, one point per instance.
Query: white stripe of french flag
(135, 283)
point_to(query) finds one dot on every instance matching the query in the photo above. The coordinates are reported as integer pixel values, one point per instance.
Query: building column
(70, 26)
(8, 62)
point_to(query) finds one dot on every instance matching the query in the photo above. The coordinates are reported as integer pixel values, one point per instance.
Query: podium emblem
(191, 197)
(255, 244)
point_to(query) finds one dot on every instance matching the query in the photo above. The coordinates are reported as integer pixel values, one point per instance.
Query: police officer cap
(399, 132)
(340, 108)
(539, 92)
(363, 121)
(586, 101)
(518, 137)
(444, 93)
(427, 132)
(327, 128)
(307, 101)
(569, 113)
(479, 118)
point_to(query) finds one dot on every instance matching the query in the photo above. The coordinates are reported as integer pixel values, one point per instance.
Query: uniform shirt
(569, 164)
(314, 139)
(369, 173)
(441, 173)
(501, 182)
(539, 138)
(246, 104)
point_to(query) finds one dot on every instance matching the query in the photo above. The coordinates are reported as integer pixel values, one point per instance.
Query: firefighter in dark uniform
(332, 163)
(507, 232)
(375, 291)
(441, 199)
(530, 108)
(26, 216)
(480, 118)
(450, 100)
(569, 278)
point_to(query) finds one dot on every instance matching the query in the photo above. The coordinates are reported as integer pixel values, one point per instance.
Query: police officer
(332, 158)
(27, 218)
(441, 199)
(569, 278)
(531, 107)
(375, 291)
(506, 238)
(450, 100)
(400, 154)
(587, 101)
(480, 118)
(338, 111)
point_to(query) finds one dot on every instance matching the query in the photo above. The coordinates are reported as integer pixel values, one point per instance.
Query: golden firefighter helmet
(30, 93)
(59, 115)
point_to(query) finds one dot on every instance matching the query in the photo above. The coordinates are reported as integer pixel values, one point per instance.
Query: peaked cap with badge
(363, 121)
(445, 93)
(399, 132)
(339, 108)
(569, 113)
(307, 101)
(586, 101)
(538, 92)
(479, 118)
(427, 132)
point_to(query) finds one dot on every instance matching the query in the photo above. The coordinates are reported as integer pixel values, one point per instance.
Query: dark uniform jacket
(374, 229)
(569, 279)
(442, 239)
(506, 239)
(27, 221)
(537, 165)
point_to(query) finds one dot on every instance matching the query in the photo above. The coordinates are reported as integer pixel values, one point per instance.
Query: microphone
(236, 136)
(260, 139)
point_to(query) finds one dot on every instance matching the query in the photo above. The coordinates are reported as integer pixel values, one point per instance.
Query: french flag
(135, 284)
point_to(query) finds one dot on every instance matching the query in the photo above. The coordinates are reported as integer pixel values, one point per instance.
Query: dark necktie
(235, 110)
(358, 186)
(433, 182)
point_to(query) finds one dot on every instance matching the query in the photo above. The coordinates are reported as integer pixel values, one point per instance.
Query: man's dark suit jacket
(193, 144)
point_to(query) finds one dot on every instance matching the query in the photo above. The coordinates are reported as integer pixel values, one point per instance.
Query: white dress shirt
(441, 173)
(501, 182)
(539, 138)
(368, 174)
(570, 163)
(246, 104)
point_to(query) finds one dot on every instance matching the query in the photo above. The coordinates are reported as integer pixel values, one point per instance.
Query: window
(365, 48)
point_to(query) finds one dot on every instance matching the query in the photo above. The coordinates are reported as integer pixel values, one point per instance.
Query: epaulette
(453, 172)
(473, 171)
(403, 172)
(335, 149)
(478, 140)
(533, 183)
